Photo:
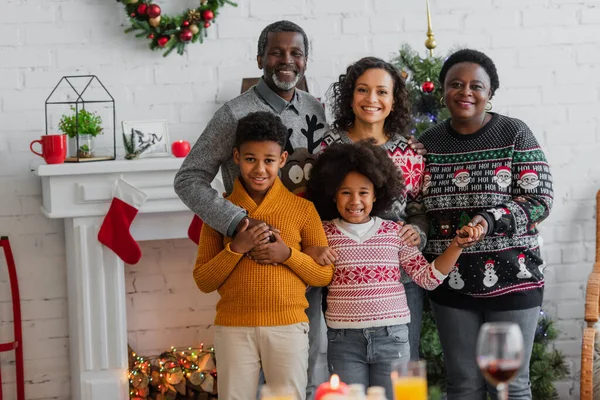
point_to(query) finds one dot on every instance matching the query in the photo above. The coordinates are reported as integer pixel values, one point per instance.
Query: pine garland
(170, 33)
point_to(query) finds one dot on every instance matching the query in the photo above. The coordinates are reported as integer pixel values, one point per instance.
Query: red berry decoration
(151, 36)
(207, 24)
(208, 15)
(132, 15)
(142, 8)
(153, 10)
(186, 35)
(428, 87)
(162, 41)
(186, 23)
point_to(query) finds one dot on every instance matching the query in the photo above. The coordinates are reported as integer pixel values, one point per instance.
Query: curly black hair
(261, 126)
(363, 157)
(342, 92)
(280, 26)
(476, 57)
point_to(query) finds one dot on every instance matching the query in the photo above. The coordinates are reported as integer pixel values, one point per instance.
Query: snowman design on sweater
(489, 275)
(455, 281)
(523, 272)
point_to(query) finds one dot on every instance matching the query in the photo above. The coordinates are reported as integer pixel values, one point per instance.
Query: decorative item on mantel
(174, 374)
(81, 107)
(180, 148)
(145, 139)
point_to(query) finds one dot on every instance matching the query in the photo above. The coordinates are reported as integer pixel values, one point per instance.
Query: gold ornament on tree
(430, 43)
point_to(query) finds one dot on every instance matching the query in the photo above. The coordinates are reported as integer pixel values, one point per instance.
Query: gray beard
(286, 85)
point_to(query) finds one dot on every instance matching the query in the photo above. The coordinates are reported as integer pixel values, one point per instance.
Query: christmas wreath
(171, 32)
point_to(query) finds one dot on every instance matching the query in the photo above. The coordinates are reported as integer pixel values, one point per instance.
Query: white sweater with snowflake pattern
(366, 290)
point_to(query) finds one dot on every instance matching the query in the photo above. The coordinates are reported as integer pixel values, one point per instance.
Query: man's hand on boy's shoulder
(271, 253)
(323, 255)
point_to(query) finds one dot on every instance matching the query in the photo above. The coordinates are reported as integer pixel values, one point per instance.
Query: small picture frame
(149, 138)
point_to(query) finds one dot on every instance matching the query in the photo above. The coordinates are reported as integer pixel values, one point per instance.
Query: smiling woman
(487, 171)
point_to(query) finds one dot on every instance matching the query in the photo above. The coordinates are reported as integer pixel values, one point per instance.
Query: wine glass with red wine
(500, 354)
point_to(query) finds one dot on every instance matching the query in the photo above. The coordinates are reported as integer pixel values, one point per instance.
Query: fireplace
(81, 195)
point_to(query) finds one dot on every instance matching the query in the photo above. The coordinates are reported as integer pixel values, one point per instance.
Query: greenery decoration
(170, 33)
(81, 122)
(425, 91)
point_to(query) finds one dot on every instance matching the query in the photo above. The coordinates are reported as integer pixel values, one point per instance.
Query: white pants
(281, 351)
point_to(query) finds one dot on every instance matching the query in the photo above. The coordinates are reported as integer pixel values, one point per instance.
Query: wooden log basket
(592, 312)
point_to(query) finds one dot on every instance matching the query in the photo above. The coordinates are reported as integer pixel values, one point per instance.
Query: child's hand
(409, 235)
(323, 255)
(468, 236)
(271, 253)
(247, 238)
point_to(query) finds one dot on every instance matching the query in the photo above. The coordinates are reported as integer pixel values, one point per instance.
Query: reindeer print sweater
(499, 172)
(303, 115)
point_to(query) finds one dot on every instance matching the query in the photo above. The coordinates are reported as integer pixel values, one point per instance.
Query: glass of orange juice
(277, 392)
(409, 380)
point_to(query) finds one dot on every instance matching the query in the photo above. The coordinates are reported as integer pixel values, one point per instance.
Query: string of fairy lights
(173, 373)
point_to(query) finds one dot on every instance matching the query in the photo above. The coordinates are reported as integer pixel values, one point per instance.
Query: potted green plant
(85, 124)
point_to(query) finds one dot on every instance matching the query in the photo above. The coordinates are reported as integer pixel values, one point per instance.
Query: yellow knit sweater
(254, 294)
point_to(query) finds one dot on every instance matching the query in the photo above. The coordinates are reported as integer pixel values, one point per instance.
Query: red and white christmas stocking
(194, 229)
(114, 232)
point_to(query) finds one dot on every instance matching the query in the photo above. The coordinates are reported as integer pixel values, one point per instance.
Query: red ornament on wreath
(142, 9)
(208, 15)
(186, 35)
(151, 36)
(162, 41)
(153, 10)
(207, 24)
(186, 23)
(428, 87)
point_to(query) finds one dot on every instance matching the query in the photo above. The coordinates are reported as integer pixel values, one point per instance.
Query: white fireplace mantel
(81, 194)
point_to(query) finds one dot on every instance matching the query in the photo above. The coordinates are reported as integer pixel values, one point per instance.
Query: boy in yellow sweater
(260, 319)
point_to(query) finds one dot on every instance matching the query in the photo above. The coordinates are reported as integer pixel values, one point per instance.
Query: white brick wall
(547, 52)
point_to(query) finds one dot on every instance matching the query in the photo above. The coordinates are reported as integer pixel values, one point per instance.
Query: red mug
(54, 148)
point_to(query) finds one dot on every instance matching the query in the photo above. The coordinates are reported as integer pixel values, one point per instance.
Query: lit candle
(180, 148)
(332, 390)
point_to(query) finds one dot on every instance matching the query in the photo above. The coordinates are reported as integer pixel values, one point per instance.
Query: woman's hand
(248, 237)
(408, 235)
(323, 255)
(417, 146)
(471, 234)
(271, 253)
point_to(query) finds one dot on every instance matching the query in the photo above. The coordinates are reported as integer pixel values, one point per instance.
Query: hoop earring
(488, 106)
(442, 101)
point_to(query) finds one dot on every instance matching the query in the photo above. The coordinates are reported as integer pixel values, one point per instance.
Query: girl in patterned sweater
(367, 311)
(370, 101)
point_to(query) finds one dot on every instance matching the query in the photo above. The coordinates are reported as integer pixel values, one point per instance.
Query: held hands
(248, 236)
(271, 252)
(408, 235)
(323, 255)
(469, 235)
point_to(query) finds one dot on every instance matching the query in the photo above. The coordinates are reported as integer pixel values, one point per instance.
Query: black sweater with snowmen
(501, 173)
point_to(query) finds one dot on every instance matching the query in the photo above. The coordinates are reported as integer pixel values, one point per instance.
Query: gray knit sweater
(305, 118)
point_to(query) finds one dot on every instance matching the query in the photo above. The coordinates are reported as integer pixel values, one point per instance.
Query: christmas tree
(547, 365)
(424, 89)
